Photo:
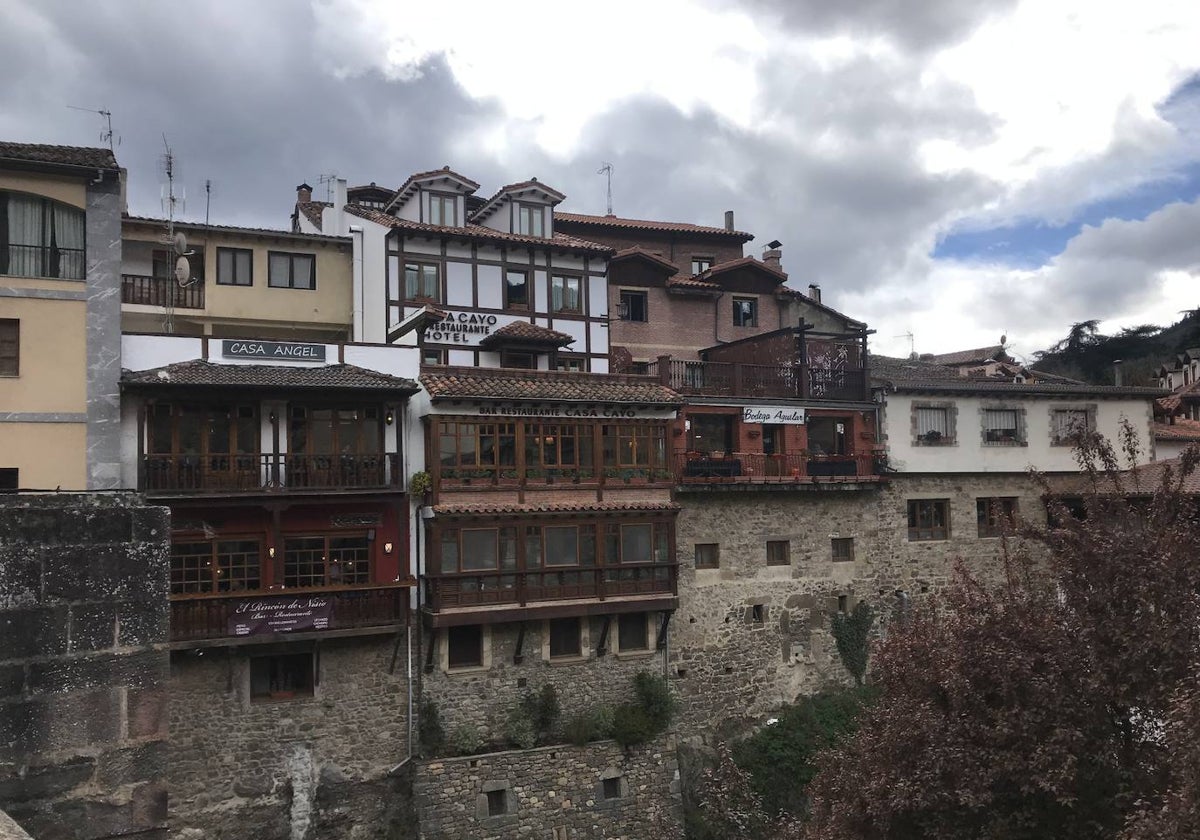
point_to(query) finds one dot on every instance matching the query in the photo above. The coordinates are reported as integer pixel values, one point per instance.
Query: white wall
(969, 454)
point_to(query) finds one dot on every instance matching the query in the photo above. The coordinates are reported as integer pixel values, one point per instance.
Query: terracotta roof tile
(203, 374)
(919, 375)
(546, 386)
(525, 332)
(200, 227)
(64, 155)
(648, 225)
(477, 232)
(555, 507)
(1181, 429)
(966, 357)
(444, 172)
(744, 262)
(640, 253)
(1142, 480)
(312, 210)
(685, 284)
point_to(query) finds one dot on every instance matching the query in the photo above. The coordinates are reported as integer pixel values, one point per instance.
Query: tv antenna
(106, 134)
(607, 169)
(912, 346)
(208, 191)
(175, 239)
(328, 179)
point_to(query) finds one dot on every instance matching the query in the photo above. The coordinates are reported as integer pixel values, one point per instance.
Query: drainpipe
(360, 306)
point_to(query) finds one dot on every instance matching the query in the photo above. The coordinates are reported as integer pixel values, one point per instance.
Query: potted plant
(420, 484)
(508, 476)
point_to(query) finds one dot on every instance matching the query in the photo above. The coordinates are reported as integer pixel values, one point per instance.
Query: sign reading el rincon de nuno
(300, 351)
(785, 415)
(280, 614)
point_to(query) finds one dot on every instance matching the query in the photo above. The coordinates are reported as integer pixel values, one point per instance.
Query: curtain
(68, 236)
(26, 235)
(932, 420)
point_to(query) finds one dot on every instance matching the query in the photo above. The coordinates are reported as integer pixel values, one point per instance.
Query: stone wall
(303, 767)
(749, 637)
(483, 697)
(83, 609)
(553, 792)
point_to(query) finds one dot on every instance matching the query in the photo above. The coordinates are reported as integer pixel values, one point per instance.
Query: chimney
(1117, 372)
(814, 292)
(773, 257)
(729, 220)
(303, 194)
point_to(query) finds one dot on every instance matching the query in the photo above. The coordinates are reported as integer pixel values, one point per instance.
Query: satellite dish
(180, 242)
(183, 271)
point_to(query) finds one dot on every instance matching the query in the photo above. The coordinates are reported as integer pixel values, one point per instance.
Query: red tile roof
(203, 374)
(526, 333)
(648, 225)
(444, 172)
(555, 507)
(312, 210)
(1175, 400)
(478, 233)
(86, 156)
(1181, 429)
(1142, 480)
(691, 284)
(641, 254)
(200, 228)
(546, 386)
(492, 204)
(967, 357)
(744, 262)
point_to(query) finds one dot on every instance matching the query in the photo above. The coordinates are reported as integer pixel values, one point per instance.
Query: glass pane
(533, 547)
(516, 287)
(562, 546)
(224, 266)
(279, 268)
(479, 549)
(160, 428)
(635, 543)
(449, 552)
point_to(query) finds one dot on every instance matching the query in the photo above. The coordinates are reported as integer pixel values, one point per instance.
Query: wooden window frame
(562, 280)
(442, 199)
(777, 547)
(618, 438)
(929, 510)
(459, 430)
(508, 357)
(328, 562)
(10, 347)
(336, 443)
(305, 689)
(208, 413)
(739, 315)
(438, 353)
(52, 258)
(214, 565)
(420, 286)
(643, 619)
(526, 212)
(524, 273)
(707, 555)
(579, 649)
(234, 253)
(291, 284)
(481, 662)
(624, 310)
(996, 516)
(571, 363)
(704, 263)
(842, 549)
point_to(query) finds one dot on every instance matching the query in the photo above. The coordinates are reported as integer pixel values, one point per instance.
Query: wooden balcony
(199, 474)
(502, 595)
(738, 379)
(757, 468)
(198, 618)
(161, 291)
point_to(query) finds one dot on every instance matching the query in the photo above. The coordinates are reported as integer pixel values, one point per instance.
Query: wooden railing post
(664, 370)
(737, 378)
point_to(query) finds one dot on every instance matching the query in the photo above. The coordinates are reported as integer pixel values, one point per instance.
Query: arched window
(40, 237)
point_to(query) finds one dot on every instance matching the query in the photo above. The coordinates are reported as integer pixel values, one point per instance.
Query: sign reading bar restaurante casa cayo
(773, 414)
(282, 614)
(273, 350)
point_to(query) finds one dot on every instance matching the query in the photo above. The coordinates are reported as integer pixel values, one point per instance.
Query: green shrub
(579, 728)
(632, 725)
(654, 695)
(542, 708)
(852, 634)
(430, 734)
(602, 721)
(519, 729)
(465, 740)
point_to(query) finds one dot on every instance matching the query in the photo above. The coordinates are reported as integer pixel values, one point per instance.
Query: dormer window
(530, 218)
(443, 210)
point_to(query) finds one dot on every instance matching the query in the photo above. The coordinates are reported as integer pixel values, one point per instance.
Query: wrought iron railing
(749, 380)
(42, 261)
(760, 468)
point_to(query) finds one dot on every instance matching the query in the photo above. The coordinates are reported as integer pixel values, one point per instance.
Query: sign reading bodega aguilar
(273, 350)
(773, 414)
(283, 614)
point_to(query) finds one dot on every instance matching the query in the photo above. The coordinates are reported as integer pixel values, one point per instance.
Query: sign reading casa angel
(273, 350)
(782, 414)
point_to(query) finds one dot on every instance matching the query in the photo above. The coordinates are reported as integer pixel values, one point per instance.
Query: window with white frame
(933, 424)
(566, 294)
(1003, 426)
(443, 210)
(1069, 422)
(530, 218)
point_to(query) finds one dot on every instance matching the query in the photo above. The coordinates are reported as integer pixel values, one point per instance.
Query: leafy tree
(1056, 703)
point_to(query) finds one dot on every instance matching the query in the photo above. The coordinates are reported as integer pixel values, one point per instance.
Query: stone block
(20, 576)
(87, 672)
(142, 622)
(12, 680)
(37, 631)
(147, 711)
(47, 781)
(142, 763)
(93, 626)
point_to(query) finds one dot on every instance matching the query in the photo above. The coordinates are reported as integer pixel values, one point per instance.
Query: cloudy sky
(954, 169)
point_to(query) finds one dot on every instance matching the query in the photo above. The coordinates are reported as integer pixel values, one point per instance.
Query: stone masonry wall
(483, 697)
(553, 792)
(729, 659)
(83, 611)
(295, 769)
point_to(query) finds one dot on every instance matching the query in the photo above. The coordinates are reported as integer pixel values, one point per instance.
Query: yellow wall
(53, 366)
(71, 191)
(48, 455)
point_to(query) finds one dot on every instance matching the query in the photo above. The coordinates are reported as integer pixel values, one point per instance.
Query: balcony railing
(231, 473)
(452, 478)
(520, 588)
(737, 379)
(760, 468)
(198, 617)
(42, 261)
(161, 291)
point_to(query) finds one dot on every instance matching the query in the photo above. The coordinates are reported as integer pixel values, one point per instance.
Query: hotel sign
(785, 415)
(466, 328)
(275, 350)
(286, 614)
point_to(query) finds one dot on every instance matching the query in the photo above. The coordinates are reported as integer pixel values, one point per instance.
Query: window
(291, 271)
(626, 544)
(530, 219)
(701, 264)
(929, 519)
(281, 677)
(464, 646)
(215, 566)
(326, 561)
(611, 788)
(758, 613)
(827, 435)
(235, 267)
(40, 237)
(779, 553)
(432, 356)
(497, 802)
(1067, 423)
(631, 446)
(565, 637)
(633, 306)
(566, 294)
(708, 556)
(9, 480)
(516, 290)
(575, 364)
(10, 347)
(1003, 426)
(518, 360)
(711, 433)
(995, 516)
(933, 424)
(443, 210)
(421, 281)
(843, 549)
(476, 450)
(632, 632)
(745, 312)
(478, 549)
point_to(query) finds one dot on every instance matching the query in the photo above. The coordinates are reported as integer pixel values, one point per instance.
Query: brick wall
(83, 607)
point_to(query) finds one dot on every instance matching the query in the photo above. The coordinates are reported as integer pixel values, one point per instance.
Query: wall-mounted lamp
(389, 418)
(387, 548)
(271, 552)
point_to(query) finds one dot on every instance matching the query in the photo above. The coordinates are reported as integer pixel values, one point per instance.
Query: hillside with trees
(1088, 355)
